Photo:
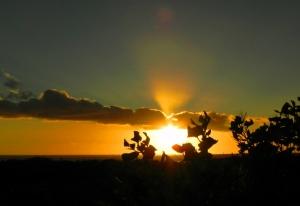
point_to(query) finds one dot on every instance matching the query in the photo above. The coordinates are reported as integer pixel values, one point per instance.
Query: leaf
(235, 136)
(132, 146)
(147, 140)
(285, 108)
(130, 156)
(249, 123)
(151, 147)
(137, 137)
(208, 132)
(206, 116)
(293, 103)
(126, 144)
(207, 143)
(274, 119)
(141, 147)
(194, 131)
(188, 147)
(177, 148)
(238, 119)
(248, 133)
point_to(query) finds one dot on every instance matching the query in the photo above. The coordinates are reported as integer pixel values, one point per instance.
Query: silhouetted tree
(279, 136)
(139, 146)
(257, 142)
(202, 133)
(285, 127)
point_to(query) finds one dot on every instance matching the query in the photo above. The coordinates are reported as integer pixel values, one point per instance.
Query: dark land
(219, 181)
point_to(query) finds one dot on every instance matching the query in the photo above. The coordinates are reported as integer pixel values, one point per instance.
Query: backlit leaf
(147, 140)
(177, 148)
(126, 144)
(132, 146)
(137, 137)
(194, 131)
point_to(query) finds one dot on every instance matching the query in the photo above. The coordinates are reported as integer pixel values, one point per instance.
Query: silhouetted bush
(139, 146)
(279, 136)
(197, 130)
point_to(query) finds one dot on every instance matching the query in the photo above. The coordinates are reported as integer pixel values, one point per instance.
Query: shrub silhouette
(279, 136)
(139, 146)
(197, 130)
(258, 142)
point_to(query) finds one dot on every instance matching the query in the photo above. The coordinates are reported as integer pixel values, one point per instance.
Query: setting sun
(166, 137)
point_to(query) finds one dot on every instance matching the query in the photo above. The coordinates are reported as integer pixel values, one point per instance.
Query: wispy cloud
(13, 90)
(10, 81)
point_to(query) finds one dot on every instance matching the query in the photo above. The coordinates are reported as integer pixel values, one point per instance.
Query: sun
(164, 138)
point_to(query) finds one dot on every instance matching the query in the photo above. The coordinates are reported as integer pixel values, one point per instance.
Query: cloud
(59, 105)
(219, 121)
(10, 81)
(14, 92)
(258, 121)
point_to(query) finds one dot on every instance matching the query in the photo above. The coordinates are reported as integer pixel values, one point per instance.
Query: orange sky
(44, 137)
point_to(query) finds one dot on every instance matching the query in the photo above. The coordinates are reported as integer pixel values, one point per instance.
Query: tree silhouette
(139, 146)
(279, 136)
(202, 133)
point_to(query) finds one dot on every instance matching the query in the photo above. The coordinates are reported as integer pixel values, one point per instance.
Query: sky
(168, 57)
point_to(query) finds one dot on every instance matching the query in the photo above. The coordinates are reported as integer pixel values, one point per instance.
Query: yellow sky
(43, 137)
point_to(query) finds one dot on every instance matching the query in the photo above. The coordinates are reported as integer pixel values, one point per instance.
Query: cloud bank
(219, 121)
(59, 105)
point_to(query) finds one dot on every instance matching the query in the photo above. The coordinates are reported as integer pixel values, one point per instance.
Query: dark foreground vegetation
(224, 181)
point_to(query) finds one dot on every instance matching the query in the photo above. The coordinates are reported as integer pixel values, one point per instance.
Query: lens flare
(169, 61)
(170, 92)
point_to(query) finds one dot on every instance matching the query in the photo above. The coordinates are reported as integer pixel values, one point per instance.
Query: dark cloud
(219, 121)
(14, 92)
(59, 105)
(10, 81)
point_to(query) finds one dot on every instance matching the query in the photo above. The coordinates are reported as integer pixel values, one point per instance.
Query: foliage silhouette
(139, 146)
(279, 136)
(197, 131)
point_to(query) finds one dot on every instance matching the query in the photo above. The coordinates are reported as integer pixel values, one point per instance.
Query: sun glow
(163, 139)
